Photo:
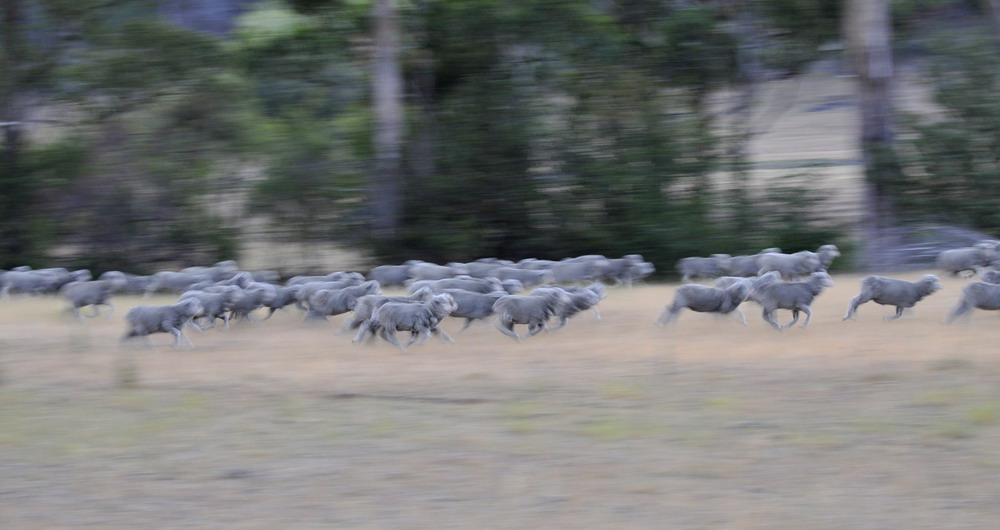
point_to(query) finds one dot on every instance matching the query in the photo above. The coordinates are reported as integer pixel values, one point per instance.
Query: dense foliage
(542, 128)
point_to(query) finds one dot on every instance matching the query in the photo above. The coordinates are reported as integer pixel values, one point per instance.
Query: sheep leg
(414, 335)
(855, 302)
(442, 334)
(795, 318)
(740, 315)
(97, 311)
(365, 328)
(959, 310)
(899, 313)
(535, 328)
(270, 311)
(809, 315)
(508, 329)
(769, 318)
(597, 314)
(111, 310)
(668, 316)
(390, 337)
(178, 335)
(562, 323)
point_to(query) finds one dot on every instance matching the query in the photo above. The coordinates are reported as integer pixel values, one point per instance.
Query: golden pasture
(611, 423)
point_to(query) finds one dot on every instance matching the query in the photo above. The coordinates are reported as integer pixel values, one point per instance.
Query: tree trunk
(386, 186)
(14, 188)
(867, 31)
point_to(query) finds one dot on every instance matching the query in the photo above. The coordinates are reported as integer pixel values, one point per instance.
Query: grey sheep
(704, 299)
(976, 295)
(40, 281)
(746, 266)
(990, 276)
(486, 267)
(891, 291)
(134, 283)
(215, 305)
(366, 306)
(420, 319)
(535, 310)
(433, 271)
(332, 302)
(255, 296)
(794, 296)
(755, 282)
(711, 267)
(799, 264)
(581, 269)
(175, 282)
(144, 319)
(580, 300)
(627, 270)
(390, 275)
(93, 293)
(968, 259)
(353, 277)
(282, 297)
(467, 283)
(527, 277)
(473, 306)
(306, 290)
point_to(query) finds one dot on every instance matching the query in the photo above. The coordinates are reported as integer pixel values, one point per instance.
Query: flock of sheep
(775, 281)
(472, 291)
(493, 287)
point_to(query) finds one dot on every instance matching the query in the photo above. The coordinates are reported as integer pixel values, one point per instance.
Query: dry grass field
(604, 424)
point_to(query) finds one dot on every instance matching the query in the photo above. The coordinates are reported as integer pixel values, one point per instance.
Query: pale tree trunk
(386, 185)
(867, 32)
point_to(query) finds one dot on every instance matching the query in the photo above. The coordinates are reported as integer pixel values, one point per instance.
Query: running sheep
(419, 319)
(976, 295)
(794, 296)
(704, 299)
(144, 319)
(891, 291)
(535, 310)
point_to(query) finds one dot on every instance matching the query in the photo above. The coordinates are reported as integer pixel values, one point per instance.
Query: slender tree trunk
(867, 29)
(14, 188)
(386, 188)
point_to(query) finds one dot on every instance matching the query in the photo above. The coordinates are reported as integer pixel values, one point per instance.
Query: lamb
(366, 306)
(580, 300)
(890, 291)
(473, 306)
(143, 320)
(795, 296)
(704, 299)
(535, 310)
(976, 295)
(352, 277)
(332, 302)
(711, 267)
(971, 259)
(306, 290)
(419, 319)
(486, 267)
(93, 293)
(134, 283)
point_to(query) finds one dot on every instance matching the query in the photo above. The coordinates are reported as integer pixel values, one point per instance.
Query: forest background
(141, 135)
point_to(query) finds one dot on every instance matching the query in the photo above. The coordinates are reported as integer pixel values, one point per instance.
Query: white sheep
(703, 299)
(419, 319)
(795, 296)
